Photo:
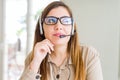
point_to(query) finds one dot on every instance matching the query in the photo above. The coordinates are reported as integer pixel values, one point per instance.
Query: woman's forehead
(58, 12)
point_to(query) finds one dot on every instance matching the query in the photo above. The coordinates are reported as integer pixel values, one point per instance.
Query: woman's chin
(59, 43)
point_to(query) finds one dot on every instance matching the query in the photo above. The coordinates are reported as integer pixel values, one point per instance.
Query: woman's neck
(60, 50)
(59, 55)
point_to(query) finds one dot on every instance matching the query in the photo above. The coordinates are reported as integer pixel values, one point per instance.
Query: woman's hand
(41, 49)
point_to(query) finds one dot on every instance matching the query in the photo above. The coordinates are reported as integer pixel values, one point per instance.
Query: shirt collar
(69, 60)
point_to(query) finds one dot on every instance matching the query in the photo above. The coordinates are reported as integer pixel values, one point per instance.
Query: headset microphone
(62, 36)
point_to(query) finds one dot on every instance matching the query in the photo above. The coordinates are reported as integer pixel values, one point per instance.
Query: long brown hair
(73, 45)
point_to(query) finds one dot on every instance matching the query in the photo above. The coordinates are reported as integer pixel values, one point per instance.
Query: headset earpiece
(72, 32)
(41, 28)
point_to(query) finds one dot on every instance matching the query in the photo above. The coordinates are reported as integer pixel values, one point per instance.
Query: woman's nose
(58, 26)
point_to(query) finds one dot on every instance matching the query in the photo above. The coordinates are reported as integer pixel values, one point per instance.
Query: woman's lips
(57, 34)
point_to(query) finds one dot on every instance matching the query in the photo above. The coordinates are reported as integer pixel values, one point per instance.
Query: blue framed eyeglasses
(52, 20)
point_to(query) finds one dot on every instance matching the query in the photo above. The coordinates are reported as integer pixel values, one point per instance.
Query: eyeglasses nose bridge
(59, 20)
(58, 24)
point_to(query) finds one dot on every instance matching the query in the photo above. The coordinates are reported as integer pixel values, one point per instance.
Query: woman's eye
(51, 21)
(66, 21)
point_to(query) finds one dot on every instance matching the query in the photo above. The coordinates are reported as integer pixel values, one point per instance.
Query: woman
(57, 54)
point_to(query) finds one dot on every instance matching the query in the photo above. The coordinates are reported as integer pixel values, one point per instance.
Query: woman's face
(52, 32)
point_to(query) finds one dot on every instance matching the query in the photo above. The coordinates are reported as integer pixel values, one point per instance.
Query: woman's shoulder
(28, 59)
(92, 63)
(90, 55)
(89, 50)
